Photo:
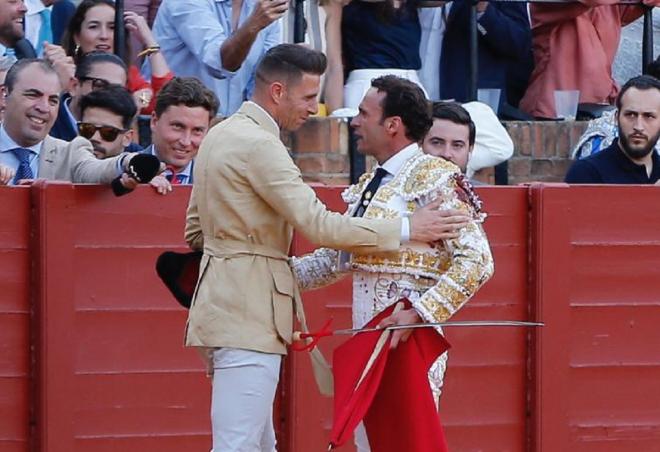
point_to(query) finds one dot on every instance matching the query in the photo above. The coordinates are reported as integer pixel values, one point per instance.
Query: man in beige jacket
(247, 198)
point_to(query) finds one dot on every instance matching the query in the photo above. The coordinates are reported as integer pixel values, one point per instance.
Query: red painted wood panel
(597, 360)
(114, 373)
(14, 319)
(614, 305)
(111, 372)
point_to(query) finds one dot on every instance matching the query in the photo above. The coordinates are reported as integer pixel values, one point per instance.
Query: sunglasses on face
(108, 133)
(97, 83)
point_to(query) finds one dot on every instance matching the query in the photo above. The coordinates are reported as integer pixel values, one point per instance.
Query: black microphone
(142, 168)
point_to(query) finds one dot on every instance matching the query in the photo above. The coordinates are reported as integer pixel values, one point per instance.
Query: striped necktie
(24, 171)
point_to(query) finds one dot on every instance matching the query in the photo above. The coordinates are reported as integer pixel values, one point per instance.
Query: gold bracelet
(149, 51)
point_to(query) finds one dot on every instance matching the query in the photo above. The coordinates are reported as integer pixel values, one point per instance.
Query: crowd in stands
(187, 61)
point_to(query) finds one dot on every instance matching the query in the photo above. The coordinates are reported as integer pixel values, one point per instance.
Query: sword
(453, 323)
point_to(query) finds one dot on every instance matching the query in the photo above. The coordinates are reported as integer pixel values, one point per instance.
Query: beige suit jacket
(74, 162)
(247, 197)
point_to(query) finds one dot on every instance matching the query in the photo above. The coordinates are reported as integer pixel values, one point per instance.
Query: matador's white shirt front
(438, 280)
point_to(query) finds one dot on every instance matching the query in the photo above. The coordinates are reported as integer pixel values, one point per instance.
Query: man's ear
(153, 121)
(127, 138)
(394, 125)
(277, 92)
(73, 86)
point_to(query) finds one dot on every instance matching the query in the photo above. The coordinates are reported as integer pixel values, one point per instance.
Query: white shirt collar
(7, 142)
(186, 172)
(67, 108)
(394, 164)
(267, 114)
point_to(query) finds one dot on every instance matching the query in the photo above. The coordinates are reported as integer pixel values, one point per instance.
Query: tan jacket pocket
(283, 305)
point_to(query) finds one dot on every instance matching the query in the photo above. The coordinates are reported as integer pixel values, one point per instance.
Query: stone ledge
(542, 150)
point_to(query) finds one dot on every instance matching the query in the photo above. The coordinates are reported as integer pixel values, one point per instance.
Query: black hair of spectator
(87, 62)
(187, 91)
(15, 71)
(114, 98)
(454, 112)
(405, 99)
(641, 82)
(653, 69)
(75, 25)
(288, 63)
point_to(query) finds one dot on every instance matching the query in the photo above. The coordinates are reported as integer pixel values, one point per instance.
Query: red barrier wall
(110, 372)
(597, 362)
(14, 319)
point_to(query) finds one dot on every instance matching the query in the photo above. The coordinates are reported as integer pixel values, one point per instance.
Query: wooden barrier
(109, 370)
(14, 319)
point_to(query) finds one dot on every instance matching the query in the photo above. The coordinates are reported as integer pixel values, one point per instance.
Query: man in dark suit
(504, 38)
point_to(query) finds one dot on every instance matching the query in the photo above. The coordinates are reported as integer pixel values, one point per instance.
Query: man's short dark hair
(642, 83)
(115, 99)
(454, 112)
(15, 71)
(288, 63)
(405, 99)
(87, 62)
(187, 91)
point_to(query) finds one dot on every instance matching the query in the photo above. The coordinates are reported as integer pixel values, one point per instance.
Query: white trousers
(244, 384)
(359, 82)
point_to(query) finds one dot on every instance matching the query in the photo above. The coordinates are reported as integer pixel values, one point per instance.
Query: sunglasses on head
(97, 83)
(108, 133)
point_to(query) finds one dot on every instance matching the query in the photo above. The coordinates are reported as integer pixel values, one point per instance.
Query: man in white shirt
(219, 41)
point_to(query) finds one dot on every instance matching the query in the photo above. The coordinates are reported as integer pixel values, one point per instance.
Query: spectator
(5, 64)
(377, 39)
(602, 131)
(146, 9)
(46, 20)
(204, 39)
(630, 158)
(585, 34)
(33, 96)
(106, 118)
(504, 38)
(11, 27)
(184, 108)
(95, 70)
(92, 28)
(492, 144)
(452, 134)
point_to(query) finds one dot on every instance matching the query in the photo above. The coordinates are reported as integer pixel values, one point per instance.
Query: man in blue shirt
(630, 159)
(219, 42)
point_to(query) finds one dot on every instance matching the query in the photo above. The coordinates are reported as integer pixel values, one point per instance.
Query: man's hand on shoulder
(428, 224)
